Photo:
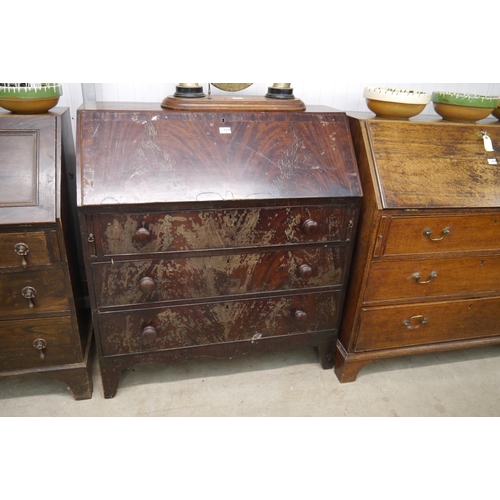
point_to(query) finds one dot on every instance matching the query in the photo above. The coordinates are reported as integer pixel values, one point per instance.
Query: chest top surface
(134, 156)
(435, 164)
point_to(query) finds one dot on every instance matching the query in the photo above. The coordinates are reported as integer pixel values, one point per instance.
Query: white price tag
(225, 130)
(492, 161)
(488, 146)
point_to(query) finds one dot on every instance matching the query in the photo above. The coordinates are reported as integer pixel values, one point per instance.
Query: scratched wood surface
(433, 165)
(217, 275)
(224, 228)
(216, 323)
(163, 156)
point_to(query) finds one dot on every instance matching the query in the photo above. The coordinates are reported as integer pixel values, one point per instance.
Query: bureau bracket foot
(111, 371)
(347, 368)
(326, 353)
(78, 380)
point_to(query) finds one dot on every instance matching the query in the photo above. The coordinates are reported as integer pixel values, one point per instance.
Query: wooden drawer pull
(300, 316)
(415, 321)
(29, 293)
(305, 271)
(310, 227)
(428, 233)
(40, 345)
(22, 250)
(142, 236)
(417, 278)
(149, 334)
(147, 285)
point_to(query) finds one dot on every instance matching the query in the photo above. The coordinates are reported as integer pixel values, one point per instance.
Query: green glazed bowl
(458, 99)
(29, 98)
(458, 107)
(496, 111)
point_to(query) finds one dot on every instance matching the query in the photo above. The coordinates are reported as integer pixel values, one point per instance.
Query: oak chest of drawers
(214, 234)
(44, 327)
(426, 270)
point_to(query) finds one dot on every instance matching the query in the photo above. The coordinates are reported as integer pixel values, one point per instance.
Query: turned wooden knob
(142, 236)
(305, 271)
(149, 334)
(147, 285)
(300, 316)
(310, 227)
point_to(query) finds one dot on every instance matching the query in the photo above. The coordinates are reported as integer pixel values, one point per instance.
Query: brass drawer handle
(417, 278)
(29, 293)
(40, 345)
(22, 250)
(415, 321)
(428, 233)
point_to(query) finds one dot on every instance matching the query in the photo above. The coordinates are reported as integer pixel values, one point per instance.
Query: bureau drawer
(21, 343)
(427, 278)
(135, 282)
(216, 323)
(417, 324)
(23, 250)
(213, 229)
(28, 293)
(418, 235)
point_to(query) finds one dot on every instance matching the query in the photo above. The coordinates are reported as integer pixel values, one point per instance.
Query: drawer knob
(147, 285)
(142, 236)
(149, 334)
(22, 250)
(428, 234)
(310, 227)
(40, 345)
(305, 271)
(300, 316)
(29, 293)
(417, 278)
(414, 322)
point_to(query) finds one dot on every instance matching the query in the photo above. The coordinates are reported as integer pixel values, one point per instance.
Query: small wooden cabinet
(44, 326)
(214, 233)
(426, 268)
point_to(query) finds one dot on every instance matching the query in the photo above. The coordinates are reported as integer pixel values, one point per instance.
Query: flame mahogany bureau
(44, 326)
(426, 267)
(214, 233)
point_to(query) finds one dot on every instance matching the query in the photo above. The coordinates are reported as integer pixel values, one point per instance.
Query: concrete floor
(291, 383)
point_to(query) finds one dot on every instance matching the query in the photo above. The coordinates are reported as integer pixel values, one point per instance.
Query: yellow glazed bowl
(394, 103)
